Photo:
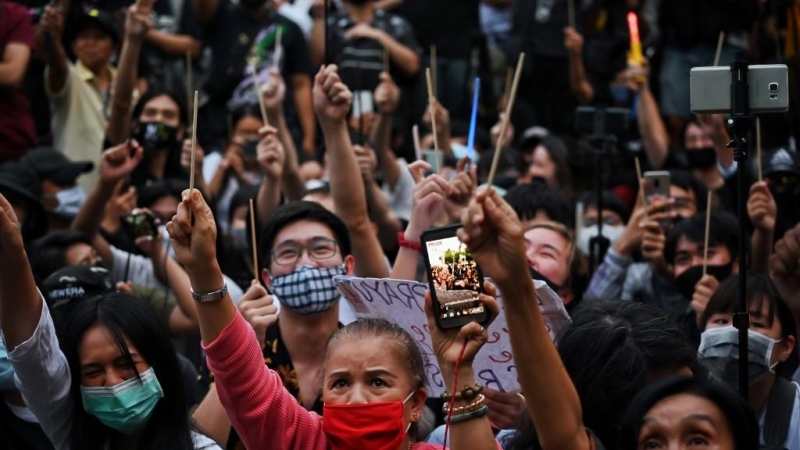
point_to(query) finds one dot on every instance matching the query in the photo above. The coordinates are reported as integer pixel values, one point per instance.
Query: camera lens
(773, 87)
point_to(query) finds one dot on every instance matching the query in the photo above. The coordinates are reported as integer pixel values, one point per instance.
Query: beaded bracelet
(478, 413)
(466, 408)
(467, 394)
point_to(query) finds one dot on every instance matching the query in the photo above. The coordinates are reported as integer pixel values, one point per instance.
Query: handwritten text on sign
(403, 302)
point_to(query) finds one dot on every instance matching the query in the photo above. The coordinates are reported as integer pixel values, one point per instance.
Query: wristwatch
(209, 297)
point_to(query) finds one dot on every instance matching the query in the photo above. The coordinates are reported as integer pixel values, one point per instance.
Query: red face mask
(374, 426)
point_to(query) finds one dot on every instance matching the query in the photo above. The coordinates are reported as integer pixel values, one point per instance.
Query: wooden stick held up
(189, 82)
(417, 148)
(431, 100)
(253, 238)
(721, 41)
(571, 13)
(257, 87)
(506, 119)
(758, 148)
(433, 68)
(194, 146)
(708, 227)
(507, 86)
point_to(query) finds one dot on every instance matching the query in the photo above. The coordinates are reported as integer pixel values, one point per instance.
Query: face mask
(376, 426)
(621, 94)
(127, 406)
(69, 202)
(691, 276)
(308, 290)
(612, 232)
(719, 353)
(702, 158)
(253, 3)
(6, 371)
(155, 135)
(240, 240)
(536, 275)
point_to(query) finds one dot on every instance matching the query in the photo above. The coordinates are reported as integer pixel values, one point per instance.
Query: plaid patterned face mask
(308, 289)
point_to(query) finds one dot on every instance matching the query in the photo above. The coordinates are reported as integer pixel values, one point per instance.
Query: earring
(414, 417)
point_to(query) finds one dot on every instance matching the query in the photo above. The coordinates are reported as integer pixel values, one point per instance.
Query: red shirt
(17, 131)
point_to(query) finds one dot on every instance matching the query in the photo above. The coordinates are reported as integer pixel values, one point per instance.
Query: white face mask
(70, 201)
(585, 234)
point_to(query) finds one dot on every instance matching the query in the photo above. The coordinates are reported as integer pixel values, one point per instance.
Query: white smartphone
(710, 89)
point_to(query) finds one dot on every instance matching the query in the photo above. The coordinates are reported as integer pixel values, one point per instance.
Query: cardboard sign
(403, 302)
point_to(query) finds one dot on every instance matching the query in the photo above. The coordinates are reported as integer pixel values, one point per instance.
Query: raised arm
(651, 126)
(274, 92)
(301, 89)
(332, 103)
(763, 212)
(115, 164)
(137, 23)
(387, 95)
(271, 157)
(380, 213)
(57, 62)
(581, 87)
(253, 396)
(429, 197)
(494, 235)
(17, 52)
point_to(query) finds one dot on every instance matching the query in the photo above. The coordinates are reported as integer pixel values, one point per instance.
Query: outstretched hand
(118, 162)
(493, 233)
(447, 344)
(273, 91)
(195, 239)
(761, 207)
(10, 230)
(332, 97)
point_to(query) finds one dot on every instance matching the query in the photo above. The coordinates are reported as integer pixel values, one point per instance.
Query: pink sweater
(264, 414)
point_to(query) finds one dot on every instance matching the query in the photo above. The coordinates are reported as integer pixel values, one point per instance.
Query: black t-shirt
(360, 61)
(540, 24)
(238, 42)
(17, 434)
(162, 70)
(450, 25)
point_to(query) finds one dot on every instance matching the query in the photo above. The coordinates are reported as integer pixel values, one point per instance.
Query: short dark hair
(559, 153)
(739, 416)
(528, 199)
(175, 96)
(49, 253)
(610, 203)
(723, 230)
(687, 181)
(292, 212)
(125, 317)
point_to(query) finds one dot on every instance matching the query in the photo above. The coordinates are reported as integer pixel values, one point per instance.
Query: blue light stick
(473, 122)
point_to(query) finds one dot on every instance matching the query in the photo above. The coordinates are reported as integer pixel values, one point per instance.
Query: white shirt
(793, 438)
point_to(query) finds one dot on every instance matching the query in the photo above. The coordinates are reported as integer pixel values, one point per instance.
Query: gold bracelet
(466, 408)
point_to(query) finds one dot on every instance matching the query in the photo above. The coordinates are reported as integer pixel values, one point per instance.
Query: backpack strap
(779, 412)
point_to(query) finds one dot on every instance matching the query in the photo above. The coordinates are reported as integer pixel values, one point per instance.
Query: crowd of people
(181, 181)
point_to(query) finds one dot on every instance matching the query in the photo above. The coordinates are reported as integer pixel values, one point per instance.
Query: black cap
(19, 180)
(532, 137)
(50, 164)
(779, 160)
(70, 285)
(96, 18)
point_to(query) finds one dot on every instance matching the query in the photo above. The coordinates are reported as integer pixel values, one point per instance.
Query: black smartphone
(250, 148)
(139, 224)
(454, 277)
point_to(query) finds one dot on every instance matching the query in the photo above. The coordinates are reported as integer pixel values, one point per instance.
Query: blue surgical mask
(127, 406)
(70, 201)
(6, 371)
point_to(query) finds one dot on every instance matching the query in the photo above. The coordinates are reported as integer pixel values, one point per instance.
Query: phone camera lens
(773, 87)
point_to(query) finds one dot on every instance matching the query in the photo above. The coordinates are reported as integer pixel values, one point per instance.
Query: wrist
(623, 247)
(413, 233)
(205, 276)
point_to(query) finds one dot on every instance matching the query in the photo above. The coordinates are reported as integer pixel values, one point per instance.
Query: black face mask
(702, 158)
(688, 279)
(358, 2)
(155, 135)
(536, 275)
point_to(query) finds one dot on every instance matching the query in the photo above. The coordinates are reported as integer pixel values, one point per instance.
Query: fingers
(490, 303)
(462, 164)
(418, 169)
(267, 131)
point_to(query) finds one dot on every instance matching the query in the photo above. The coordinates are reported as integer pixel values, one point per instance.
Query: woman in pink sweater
(373, 373)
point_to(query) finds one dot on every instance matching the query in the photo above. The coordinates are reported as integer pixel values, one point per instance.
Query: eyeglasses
(289, 253)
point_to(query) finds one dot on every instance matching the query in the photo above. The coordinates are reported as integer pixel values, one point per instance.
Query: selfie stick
(740, 122)
(758, 149)
(253, 238)
(473, 121)
(708, 228)
(506, 120)
(571, 13)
